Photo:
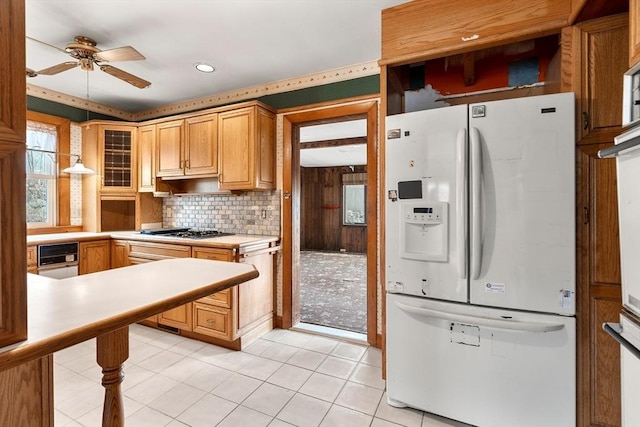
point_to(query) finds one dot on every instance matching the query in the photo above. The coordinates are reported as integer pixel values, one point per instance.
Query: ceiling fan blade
(46, 44)
(127, 77)
(125, 53)
(58, 68)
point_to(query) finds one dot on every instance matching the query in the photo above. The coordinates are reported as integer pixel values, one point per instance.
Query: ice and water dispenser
(423, 225)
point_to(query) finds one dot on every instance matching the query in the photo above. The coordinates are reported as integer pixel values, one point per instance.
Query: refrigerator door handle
(489, 322)
(615, 330)
(476, 203)
(461, 201)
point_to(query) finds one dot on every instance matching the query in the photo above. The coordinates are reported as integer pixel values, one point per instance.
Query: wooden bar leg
(112, 351)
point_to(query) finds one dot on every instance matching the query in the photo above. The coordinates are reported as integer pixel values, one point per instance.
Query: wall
(253, 212)
(321, 212)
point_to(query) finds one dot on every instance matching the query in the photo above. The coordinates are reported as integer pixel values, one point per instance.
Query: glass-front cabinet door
(118, 159)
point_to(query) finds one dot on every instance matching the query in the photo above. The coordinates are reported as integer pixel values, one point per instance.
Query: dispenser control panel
(424, 215)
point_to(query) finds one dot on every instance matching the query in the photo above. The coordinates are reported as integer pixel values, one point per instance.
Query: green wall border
(313, 95)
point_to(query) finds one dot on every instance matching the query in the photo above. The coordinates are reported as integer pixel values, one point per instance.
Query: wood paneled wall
(321, 212)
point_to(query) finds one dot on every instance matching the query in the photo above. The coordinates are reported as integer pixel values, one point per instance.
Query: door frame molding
(365, 107)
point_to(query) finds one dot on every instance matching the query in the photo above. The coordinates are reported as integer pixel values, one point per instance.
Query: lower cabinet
(231, 318)
(141, 252)
(94, 256)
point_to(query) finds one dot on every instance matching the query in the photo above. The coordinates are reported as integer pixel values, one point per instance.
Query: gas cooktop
(185, 233)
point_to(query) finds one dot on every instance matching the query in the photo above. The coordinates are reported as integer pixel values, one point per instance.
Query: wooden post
(112, 351)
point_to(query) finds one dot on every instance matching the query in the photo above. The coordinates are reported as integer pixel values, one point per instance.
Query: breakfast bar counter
(62, 313)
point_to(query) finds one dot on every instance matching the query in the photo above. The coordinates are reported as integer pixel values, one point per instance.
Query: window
(354, 204)
(48, 192)
(42, 174)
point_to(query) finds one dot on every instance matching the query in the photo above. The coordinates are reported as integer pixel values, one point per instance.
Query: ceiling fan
(86, 53)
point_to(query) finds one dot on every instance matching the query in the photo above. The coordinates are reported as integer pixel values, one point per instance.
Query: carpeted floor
(333, 290)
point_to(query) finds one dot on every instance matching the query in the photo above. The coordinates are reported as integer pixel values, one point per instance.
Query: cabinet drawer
(157, 251)
(215, 254)
(212, 321)
(220, 299)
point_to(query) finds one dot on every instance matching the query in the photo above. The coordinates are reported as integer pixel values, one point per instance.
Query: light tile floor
(285, 378)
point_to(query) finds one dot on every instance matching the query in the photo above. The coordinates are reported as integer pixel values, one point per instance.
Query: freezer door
(522, 203)
(482, 366)
(425, 220)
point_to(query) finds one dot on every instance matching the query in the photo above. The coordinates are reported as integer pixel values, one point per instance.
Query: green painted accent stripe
(347, 89)
(330, 92)
(74, 114)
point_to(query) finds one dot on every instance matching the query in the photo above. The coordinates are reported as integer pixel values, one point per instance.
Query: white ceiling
(250, 42)
(345, 155)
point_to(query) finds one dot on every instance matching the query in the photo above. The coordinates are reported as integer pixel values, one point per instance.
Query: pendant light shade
(79, 168)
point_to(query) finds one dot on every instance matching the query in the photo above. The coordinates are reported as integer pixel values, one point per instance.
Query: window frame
(63, 181)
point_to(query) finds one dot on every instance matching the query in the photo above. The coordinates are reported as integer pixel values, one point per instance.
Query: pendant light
(79, 168)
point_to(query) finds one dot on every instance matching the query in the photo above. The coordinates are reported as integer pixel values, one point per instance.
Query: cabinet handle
(585, 120)
(211, 321)
(186, 164)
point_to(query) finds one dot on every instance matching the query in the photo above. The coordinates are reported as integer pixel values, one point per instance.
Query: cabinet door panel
(118, 147)
(169, 155)
(236, 133)
(94, 256)
(146, 158)
(604, 60)
(201, 145)
(179, 317)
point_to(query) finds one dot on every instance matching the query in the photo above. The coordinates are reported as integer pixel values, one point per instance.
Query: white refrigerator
(480, 261)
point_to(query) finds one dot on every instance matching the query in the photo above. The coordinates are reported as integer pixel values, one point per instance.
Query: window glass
(354, 204)
(41, 171)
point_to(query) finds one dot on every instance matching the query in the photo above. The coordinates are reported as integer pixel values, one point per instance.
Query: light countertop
(234, 241)
(65, 312)
(80, 236)
(227, 242)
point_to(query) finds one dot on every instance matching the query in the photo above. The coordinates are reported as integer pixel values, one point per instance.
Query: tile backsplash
(252, 212)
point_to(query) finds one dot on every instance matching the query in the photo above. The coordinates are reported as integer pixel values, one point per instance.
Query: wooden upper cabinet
(110, 149)
(247, 149)
(600, 59)
(169, 152)
(188, 147)
(201, 145)
(146, 158)
(634, 32)
(423, 29)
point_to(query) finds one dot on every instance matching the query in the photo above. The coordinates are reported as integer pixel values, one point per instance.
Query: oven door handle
(615, 330)
(616, 150)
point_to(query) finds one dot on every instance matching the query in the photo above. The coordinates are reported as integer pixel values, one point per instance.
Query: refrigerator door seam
(513, 325)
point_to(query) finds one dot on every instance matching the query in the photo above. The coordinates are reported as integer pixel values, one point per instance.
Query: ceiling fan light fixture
(204, 67)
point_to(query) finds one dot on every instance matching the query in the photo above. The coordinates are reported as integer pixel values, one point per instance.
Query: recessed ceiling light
(204, 67)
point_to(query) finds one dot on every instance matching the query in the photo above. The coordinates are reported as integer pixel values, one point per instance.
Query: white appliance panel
(59, 272)
(522, 232)
(628, 175)
(630, 374)
(483, 366)
(427, 256)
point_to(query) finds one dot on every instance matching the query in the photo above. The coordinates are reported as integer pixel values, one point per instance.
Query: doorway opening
(329, 249)
(333, 226)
